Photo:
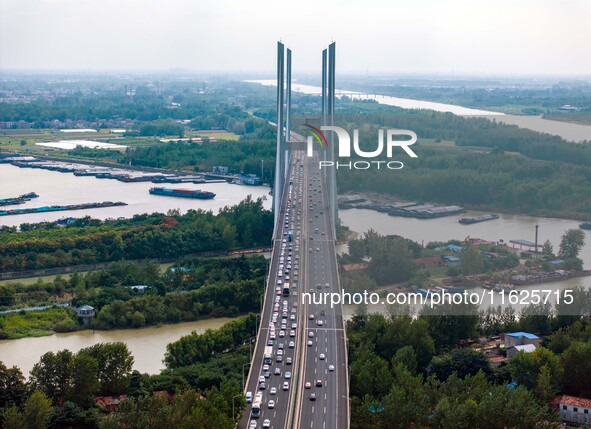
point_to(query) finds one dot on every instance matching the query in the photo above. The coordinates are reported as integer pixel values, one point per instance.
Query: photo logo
(344, 147)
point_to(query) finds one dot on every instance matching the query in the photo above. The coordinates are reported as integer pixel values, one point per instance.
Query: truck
(268, 356)
(285, 289)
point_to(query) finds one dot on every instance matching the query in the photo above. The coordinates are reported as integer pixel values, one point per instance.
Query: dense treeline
(493, 180)
(247, 224)
(107, 102)
(192, 289)
(63, 386)
(242, 156)
(194, 347)
(409, 371)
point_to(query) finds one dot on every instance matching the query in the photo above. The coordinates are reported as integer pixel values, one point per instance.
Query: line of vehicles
(279, 352)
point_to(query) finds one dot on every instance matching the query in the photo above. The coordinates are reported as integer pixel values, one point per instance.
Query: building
(574, 409)
(496, 361)
(451, 261)
(139, 289)
(428, 262)
(520, 339)
(454, 248)
(85, 312)
(526, 348)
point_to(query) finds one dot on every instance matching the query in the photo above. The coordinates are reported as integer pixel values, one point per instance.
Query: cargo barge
(183, 193)
(18, 200)
(478, 219)
(46, 209)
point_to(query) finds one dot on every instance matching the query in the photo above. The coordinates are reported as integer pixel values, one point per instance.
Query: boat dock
(403, 209)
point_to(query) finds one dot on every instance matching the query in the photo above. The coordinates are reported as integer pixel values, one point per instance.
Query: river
(507, 227)
(147, 345)
(64, 188)
(568, 131)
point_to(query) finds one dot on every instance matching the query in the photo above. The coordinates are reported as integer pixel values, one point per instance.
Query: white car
(322, 357)
(253, 424)
(271, 404)
(331, 368)
(273, 391)
(267, 423)
(285, 385)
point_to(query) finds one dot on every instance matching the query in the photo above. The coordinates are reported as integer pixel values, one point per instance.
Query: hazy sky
(510, 37)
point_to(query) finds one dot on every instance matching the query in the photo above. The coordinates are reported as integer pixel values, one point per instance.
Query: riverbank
(147, 345)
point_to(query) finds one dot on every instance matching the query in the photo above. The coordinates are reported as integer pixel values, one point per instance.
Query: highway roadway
(325, 356)
(312, 262)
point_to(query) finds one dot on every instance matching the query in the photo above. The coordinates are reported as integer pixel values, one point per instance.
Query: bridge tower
(283, 125)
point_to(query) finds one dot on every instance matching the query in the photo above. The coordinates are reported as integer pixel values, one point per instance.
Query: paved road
(305, 213)
(326, 341)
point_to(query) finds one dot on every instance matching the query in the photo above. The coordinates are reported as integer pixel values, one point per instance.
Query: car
(331, 368)
(266, 374)
(311, 334)
(308, 385)
(292, 334)
(280, 352)
(253, 424)
(312, 396)
(278, 371)
(281, 334)
(271, 404)
(310, 343)
(311, 317)
(291, 344)
(318, 383)
(292, 317)
(248, 397)
(266, 367)
(261, 379)
(279, 282)
(294, 325)
(280, 346)
(287, 375)
(285, 385)
(270, 342)
(326, 285)
(278, 358)
(262, 386)
(273, 391)
(320, 323)
(288, 361)
(322, 356)
(266, 423)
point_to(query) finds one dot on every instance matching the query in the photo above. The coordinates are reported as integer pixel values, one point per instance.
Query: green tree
(13, 390)
(115, 363)
(84, 379)
(571, 243)
(575, 360)
(472, 261)
(37, 410)
(12, 418)
(53, 375)
(547, 248)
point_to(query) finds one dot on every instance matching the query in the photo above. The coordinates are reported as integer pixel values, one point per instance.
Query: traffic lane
(257, 364)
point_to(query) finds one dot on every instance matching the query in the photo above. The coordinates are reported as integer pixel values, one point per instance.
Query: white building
(575, 410)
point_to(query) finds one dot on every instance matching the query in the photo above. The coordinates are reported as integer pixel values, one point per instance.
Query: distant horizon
(244, 74)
